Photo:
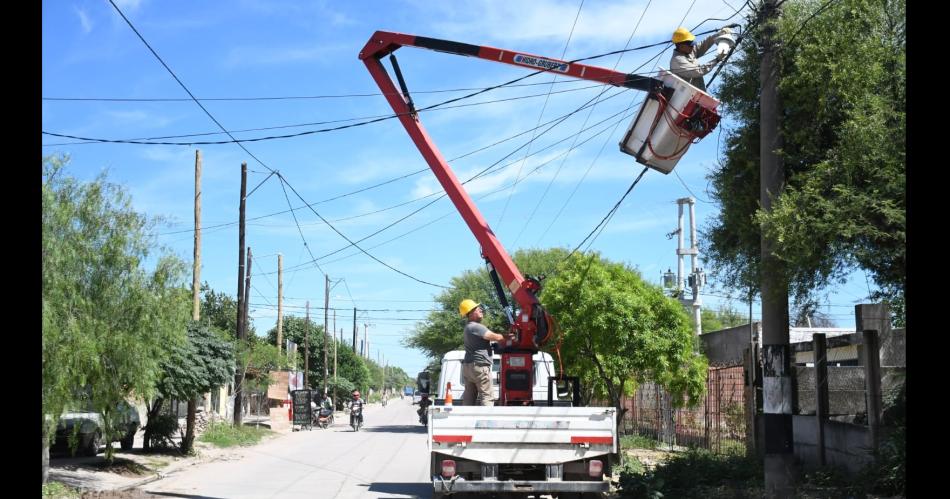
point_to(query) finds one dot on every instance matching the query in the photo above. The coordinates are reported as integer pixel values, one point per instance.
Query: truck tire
(92, 446)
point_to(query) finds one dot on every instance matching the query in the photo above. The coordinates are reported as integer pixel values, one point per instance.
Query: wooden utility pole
(776, 368)
(280, 301)
(239, 373)
(306, 350)
(326, 336)
(247, 291)
(196, 298)
(354, 329)
(196, 272)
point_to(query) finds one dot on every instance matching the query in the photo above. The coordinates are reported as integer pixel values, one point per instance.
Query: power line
(275, 98)
(502, 188)
(342, 127)
(389, 181)
(690, 190)
(283, 186)
(577, 185)
(610, 214)
(540, 115)
(373, 119)
(356, 245)
(465, 182)
(591, 112)
(470, 179)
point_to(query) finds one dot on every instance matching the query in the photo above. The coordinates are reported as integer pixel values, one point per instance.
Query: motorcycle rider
(424, 404)
(356, 401)
(326, 403)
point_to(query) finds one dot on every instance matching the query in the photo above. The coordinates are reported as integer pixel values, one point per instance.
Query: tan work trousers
(477, 384)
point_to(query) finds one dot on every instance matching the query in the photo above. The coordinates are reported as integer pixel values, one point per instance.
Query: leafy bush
(694, 473)
(340, 391)
(636, 482)
(637, 442)
(163, 429)
(699, 467)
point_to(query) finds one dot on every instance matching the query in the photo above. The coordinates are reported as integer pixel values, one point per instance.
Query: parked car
(91, 428)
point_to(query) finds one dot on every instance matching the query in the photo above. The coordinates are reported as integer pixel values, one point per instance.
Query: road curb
(153, 478)
(160, 474)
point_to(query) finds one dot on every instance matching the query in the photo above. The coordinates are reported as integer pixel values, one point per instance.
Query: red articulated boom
(532, 325)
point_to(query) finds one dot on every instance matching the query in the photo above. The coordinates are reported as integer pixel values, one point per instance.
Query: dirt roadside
(95, 479)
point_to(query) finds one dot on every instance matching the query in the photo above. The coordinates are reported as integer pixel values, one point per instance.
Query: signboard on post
(296, 380)
(302, 410)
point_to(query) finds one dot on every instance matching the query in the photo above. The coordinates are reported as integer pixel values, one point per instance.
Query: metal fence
(717, 423)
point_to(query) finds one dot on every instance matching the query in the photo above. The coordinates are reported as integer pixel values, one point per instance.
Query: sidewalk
(135, 467)
(131, 469)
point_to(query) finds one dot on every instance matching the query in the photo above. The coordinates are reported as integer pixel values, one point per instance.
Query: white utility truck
(541, 449)
(536, 439)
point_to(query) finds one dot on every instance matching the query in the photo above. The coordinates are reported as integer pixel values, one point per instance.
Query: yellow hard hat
(467, 306)
(682, 35)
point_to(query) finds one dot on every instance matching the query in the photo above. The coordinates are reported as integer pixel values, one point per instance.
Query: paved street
(386, 458)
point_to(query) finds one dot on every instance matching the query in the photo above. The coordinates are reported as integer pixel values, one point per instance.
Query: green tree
(843, 125)
(219, 310)
(203, 363)
(722, 318)
(349, 365)
(107, 322)
(441, 332)
(618, 331)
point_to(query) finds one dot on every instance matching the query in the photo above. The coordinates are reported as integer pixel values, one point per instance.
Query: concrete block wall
(846, 444)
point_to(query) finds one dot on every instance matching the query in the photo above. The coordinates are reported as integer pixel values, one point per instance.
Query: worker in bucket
(476, 367)
(685, 61)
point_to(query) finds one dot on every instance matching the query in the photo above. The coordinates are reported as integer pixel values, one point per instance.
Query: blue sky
(243, 49)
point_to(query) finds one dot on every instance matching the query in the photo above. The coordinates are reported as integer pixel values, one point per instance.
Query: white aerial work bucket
(668, 122)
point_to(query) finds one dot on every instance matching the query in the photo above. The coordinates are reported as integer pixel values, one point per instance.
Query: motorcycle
(324, 418)
(423, 411)
(356, 416)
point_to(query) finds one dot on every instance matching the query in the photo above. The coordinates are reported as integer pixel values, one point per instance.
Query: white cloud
(83, 20)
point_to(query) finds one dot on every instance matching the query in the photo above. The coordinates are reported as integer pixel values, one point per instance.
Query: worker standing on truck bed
(476, 367)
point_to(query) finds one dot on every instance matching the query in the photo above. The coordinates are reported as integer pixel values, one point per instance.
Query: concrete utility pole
(335, 344)
(196, 272)
(696, 277)
(354, 330)
(326, 336)
(239, 373)
(776, 367)
(365, 341)
(280, 301)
